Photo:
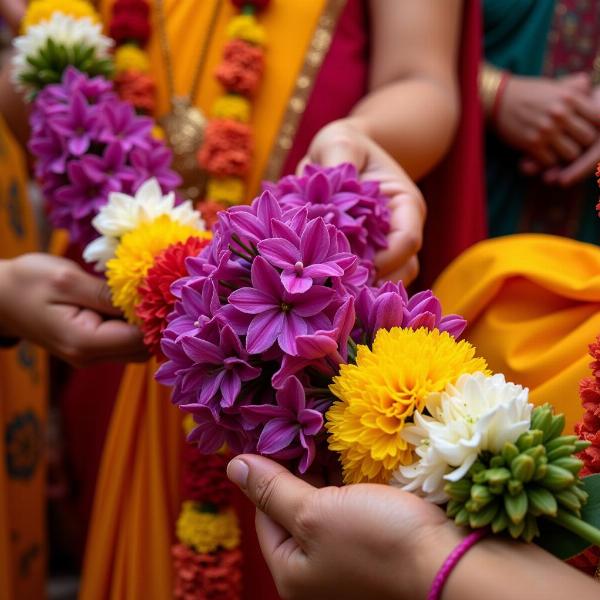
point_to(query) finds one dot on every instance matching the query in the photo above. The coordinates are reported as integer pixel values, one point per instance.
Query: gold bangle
(489, 81)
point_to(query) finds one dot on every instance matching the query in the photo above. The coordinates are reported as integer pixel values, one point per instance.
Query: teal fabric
(516, 34)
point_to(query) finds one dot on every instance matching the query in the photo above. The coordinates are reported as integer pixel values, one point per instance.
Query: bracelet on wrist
(492, 82)
(450, 563)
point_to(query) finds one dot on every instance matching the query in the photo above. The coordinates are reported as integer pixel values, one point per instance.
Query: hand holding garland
(398, 542)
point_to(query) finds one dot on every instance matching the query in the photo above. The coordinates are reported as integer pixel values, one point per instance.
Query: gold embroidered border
(316, 52)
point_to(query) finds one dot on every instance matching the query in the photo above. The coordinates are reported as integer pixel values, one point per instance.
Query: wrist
(432, 548)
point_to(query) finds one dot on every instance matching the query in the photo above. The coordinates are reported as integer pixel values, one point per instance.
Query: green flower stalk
(537, 476)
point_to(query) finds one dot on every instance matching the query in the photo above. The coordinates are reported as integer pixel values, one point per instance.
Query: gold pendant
(184, 128)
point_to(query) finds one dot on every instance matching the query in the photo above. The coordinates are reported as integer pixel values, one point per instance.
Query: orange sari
(23, 379)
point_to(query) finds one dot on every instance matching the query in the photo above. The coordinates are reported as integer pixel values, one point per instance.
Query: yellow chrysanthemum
(130, 57)
(135, 255)
(42, 10)
(207, 532)
(247, 28)
(227, 190)
(379, 393)
(233, 107)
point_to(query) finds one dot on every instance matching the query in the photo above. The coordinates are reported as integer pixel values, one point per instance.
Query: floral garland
(226, 152)
(130, 28)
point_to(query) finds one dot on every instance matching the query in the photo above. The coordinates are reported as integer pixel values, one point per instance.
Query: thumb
(88, 291)
(581, 81)
(272, 488)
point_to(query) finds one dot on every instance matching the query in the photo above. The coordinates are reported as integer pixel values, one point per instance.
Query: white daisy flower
(63, 30)
(478, 413)
(124, 213)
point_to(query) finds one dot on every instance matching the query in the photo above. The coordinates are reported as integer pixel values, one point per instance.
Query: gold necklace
(184, 124)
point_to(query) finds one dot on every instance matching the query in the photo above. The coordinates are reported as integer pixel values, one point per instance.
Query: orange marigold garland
(228, 145)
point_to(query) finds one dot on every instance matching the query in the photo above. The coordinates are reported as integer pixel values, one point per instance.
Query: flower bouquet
(281, 344)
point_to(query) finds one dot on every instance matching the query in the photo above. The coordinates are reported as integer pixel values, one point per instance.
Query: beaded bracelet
(453, 558)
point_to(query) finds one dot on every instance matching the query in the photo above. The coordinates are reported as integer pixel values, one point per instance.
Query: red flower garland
(207, 576)
(130, 22)
(227, 149)
(156, 299)
(242, 68)
(203, 479)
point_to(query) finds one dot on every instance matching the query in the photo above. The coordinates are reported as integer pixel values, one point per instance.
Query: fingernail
(237, 471)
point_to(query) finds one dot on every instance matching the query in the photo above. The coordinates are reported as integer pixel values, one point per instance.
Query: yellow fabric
(23, 380)
(137, 498)
(533, 306)
(289, 25)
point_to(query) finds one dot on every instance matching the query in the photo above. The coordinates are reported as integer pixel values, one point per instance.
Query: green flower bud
(557, 479)
(581, 445)
(538, 436)
(540, 471)
(481, 494)
(462, 518)
(570, 463)
(556, 427)
(564, 450)
(541, 419)
(569, 500)
(516, 507)
(536, 452)
(484, 517)
(500, 522)
(516, 529)
(497, 476)
(581, 494)
(514, 487)
(459, 491)
(452, 508)
(560, 441)
(525, 441)
(509, 452)
(531, 529)
(542, 501)
(523, 467)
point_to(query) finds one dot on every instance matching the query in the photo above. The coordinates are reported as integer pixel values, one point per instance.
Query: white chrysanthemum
(124, 213)
(64, 30)
(478, 413)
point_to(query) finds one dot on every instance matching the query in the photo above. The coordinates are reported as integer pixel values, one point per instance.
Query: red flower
(204, 478)
(242, 68)
(588, 561)
(589, 428)
(130, 21)
(138, 89)
(215, 576)
(155, 293)
(257, 4)
(227, 148)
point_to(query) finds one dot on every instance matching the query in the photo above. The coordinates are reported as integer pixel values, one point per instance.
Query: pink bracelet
(442, 577)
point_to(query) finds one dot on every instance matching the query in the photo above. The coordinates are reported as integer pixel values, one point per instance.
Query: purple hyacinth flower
(155, 162)
(215, 431)
(112, 165)
(453, 324)
(122, 125)
(77, 126)
(288, 423)
(306, 257)
(278, 316)
(218, 368)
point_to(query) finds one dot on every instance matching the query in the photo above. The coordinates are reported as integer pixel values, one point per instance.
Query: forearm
(413, 119)
(496, 568)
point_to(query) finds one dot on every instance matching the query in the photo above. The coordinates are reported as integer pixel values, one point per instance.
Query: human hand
(552, 121)
(12, 11)
(343, 141)
(51, 301)
(360, 541)
(584, 165)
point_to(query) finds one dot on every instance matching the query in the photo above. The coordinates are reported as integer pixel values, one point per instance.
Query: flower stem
(578, 527)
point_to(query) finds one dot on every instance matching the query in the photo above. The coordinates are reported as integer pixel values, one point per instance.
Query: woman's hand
(343, 141)
(12, 11)
(51, 301)
(360, 541)
(552, 121)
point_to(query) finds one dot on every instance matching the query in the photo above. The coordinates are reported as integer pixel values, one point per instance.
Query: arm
(54, 303)
(374, 541)
(413, 104)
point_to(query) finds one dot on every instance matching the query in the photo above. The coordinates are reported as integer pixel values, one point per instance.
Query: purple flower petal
(264, 330)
